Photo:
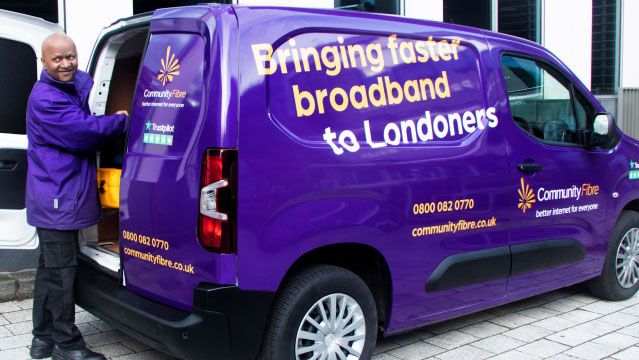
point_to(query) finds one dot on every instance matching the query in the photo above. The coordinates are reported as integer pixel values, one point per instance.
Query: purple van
(295, 183)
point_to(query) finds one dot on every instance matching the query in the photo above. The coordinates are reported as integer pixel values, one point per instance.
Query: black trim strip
(470, 268)
(545, 254)
(498, 263)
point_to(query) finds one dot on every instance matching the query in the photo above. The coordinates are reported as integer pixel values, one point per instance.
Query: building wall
(629, 45)
(85, 19)
(61, 14)
(569, 37)
(326, 4)
(424, 9)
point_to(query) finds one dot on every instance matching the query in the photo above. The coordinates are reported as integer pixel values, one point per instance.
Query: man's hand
(123, 112)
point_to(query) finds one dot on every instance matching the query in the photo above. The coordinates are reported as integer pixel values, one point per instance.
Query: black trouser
(53, 299)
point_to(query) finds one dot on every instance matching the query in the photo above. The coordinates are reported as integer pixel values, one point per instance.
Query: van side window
(540, 101)
(584, 111)
(18, 74)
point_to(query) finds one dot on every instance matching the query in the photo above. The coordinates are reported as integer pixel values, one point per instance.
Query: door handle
(529, 168)
(8, 165)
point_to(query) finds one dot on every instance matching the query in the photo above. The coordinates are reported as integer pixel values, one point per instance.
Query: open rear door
(179, 130)
(161, 257)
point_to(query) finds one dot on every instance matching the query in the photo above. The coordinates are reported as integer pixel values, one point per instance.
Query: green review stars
(158, 139)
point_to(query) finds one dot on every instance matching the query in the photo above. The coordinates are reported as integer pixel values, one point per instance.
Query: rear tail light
(218, 201)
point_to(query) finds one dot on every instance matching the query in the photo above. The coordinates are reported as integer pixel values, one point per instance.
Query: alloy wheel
(627, 259)
(334, 328)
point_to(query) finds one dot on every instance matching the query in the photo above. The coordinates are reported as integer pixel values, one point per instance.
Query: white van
(21, 37)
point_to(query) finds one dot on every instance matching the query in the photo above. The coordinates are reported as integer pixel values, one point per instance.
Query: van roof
(200, 10)
(10, 18)
(25, 28)
(203, 12)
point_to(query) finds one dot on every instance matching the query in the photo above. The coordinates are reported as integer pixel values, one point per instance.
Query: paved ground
(563, 324)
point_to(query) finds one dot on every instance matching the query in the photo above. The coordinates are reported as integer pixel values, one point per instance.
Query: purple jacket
(63, 136)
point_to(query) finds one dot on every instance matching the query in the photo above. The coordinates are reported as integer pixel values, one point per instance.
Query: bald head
(55, 41)
(59, 57)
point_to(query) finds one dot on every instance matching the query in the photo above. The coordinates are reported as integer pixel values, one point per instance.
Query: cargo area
(115, 74)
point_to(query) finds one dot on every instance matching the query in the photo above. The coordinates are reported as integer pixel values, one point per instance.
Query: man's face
(60, 58)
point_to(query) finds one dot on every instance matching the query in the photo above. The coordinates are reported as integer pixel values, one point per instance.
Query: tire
(619, 282)
(289, 330)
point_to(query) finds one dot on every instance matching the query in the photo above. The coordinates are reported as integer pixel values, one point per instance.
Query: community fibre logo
(526, 196)
(170, 67)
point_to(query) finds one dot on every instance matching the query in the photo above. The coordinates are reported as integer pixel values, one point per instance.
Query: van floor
(110, 246)
(108, 232)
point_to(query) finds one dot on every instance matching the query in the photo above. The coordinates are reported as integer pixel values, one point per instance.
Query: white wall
(630, 47)
(325, 4)
(61, 16)
(424, 9)
(86, 18)
(567, 32)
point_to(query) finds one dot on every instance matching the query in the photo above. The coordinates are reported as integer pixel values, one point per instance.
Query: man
(61, 193)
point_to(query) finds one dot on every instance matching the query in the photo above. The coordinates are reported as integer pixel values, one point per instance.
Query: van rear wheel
(619, 279)
(324, 312)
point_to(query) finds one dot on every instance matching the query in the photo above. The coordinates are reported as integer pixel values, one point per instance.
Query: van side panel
(325, 158)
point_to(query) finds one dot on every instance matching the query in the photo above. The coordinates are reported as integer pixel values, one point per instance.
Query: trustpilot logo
(170, 67)
(158, 134)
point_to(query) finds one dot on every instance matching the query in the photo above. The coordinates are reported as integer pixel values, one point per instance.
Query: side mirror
(602, 124)
(603, 132)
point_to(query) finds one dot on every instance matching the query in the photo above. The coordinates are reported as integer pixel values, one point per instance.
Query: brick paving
(564, 324)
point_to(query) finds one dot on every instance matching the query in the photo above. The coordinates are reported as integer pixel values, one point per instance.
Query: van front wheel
(324, 312)
(619, 279)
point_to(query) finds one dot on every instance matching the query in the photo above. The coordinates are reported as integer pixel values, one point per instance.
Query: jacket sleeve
(63, 124)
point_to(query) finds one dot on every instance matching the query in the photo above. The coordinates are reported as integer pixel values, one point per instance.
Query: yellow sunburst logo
(170, 67)
(526, 197)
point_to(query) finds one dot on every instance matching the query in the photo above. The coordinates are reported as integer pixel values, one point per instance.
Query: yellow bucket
(109, 187)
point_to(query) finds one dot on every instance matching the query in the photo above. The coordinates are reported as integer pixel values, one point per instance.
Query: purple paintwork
(296, 195)
(160, 183)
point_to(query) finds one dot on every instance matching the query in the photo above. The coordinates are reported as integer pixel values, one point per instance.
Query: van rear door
(174, 119)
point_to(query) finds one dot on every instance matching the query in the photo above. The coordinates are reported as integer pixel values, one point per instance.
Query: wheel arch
(364, 260)
(632, 205)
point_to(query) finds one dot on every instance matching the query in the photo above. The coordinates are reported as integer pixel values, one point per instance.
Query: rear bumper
(225, 322)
